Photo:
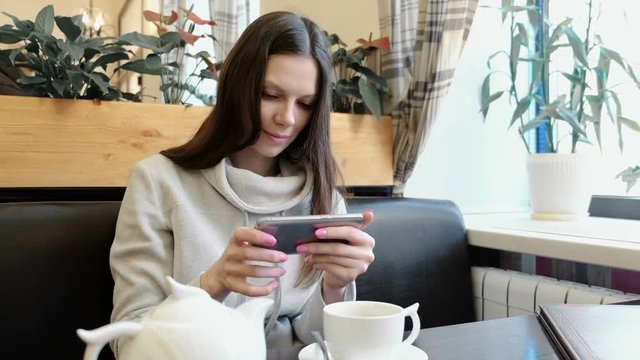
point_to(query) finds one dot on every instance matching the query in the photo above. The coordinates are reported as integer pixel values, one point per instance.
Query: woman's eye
(305, 106)
(269, 96)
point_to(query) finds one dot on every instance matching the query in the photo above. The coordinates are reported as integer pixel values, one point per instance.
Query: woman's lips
(276, 138)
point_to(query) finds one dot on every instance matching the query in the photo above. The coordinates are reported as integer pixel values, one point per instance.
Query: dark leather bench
(55, 277)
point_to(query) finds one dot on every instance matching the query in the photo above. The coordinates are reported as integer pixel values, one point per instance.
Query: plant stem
(583, 79)
(513, 91)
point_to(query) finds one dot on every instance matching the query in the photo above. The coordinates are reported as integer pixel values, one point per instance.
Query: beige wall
(350, 19)
(28, 9)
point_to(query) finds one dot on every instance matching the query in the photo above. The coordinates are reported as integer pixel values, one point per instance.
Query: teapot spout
(255, 310)
(96, 339)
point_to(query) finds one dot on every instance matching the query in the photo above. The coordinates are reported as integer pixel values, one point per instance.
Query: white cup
(370, 330)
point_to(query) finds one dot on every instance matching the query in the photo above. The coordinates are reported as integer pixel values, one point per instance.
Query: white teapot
(189, 324)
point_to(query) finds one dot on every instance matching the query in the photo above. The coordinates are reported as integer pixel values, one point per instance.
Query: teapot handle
(97, 338)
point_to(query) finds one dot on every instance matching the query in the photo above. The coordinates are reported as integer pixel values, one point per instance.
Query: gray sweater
(178, 222)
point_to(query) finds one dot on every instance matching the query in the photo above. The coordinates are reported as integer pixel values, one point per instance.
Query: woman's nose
(286, 114)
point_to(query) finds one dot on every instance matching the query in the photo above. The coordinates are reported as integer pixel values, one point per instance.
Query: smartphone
(291, 231)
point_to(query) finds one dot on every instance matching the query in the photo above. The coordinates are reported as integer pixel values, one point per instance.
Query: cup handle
(412, 311)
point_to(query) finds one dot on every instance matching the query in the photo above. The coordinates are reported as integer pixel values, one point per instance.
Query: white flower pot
(560, 185)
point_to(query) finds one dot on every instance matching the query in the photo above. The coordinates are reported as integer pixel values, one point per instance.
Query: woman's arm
(142, 251)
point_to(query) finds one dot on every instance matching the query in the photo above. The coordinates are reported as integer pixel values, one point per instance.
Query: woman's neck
(259, 165)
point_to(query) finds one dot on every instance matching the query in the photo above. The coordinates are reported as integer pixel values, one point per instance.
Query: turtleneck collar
(257, 194)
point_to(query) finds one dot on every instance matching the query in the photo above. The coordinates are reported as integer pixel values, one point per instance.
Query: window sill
(593, 240)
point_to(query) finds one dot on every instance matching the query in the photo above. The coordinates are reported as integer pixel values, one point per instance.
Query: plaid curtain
(232, 17)
(427, 38)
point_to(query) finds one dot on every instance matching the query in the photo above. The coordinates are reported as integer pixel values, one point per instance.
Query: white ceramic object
(368, 330)
(189, 324)
(560, 185)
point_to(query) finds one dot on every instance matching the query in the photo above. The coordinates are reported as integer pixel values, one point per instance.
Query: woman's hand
(342, 263)
(230, 272)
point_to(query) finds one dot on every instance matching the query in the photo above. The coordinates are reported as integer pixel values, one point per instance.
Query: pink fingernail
(269, 240)
(302, 248)
(274, 285)
(283, 257)
(321, 233)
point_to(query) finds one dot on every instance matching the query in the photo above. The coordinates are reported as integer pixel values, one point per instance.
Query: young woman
(189, 212)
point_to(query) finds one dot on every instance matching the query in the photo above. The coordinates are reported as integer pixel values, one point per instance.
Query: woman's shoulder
(155, 160)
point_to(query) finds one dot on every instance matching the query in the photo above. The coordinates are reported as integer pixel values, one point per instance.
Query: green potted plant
(574, 115)
(74, 67)
(631, 175)
(168, 54)
(356, 84)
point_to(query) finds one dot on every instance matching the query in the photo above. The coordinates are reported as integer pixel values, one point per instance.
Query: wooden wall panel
(81, 143)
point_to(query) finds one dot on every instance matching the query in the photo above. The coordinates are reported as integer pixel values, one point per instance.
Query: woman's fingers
(368, 218)
(241, 286)
(256, 271)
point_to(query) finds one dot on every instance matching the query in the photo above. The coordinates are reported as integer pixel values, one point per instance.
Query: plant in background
(169, 53)
(73, 67)
(356, 84)
(588, 98)
(631, 175)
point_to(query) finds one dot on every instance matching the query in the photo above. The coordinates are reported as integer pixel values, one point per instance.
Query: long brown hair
(235, 122)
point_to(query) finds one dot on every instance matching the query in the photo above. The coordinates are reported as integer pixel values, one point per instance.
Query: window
(616, 22)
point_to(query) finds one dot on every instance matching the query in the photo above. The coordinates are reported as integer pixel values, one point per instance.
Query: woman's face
(288, 96)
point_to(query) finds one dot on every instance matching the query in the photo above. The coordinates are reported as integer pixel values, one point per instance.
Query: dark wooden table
(513, 338)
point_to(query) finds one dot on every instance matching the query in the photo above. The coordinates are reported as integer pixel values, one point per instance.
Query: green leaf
(577, 46)
(536, 71)
(531, 125)
(346, 88)
(76, 78)
(613, 113)
(356, 57)
(595, 103)
(338, 55)
(633, 125)
(576, 95)
(558, 31)
(11, 36)
(44, 20)
(200, 54)
(572, 78)
(169, 41)
(27, 80)
(68, 28)
(96, 78)
(108, 59)
(141, 40)
(371, 97)
(523, 33)
(569, 116)
(513, 56)
(615, 56)
(77, 20)
(151, 65)
(630, 176)
(334, 39)
(523, 106)
(506, 4)
(485, 95)
(76, 52)
(533, 15)
(373, 77)
(206, 74)
(14, 53)
(26, 26)
(58, 85)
